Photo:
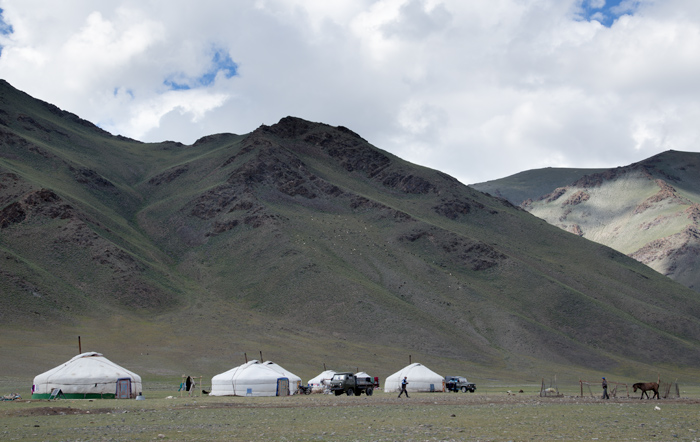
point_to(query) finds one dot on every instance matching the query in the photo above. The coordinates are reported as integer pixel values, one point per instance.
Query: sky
(479, 89)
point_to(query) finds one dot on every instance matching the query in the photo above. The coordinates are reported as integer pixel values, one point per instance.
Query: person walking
(404, 383)
(605, 389)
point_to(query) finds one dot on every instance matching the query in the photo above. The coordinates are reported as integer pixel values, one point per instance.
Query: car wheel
(369, 391)
(351, 392)
(464, 389)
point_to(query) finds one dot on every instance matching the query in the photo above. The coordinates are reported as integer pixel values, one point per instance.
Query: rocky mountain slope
(305, 241)
(648, 210)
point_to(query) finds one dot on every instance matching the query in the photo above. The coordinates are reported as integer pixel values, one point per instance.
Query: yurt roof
(89, 365)
(327, 374)
(251, 369)
(281, 370)
(416, 370)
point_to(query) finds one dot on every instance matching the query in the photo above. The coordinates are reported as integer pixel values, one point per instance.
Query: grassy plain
(491, 414)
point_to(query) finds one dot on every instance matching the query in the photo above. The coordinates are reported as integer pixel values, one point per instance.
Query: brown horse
(646, 386)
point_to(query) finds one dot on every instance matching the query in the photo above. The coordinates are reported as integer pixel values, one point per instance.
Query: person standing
(404, 383)
(605, 389)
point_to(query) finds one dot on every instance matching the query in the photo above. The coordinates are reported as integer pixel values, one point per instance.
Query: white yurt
(294, 380)
(420, 379)
(321, 381)
(88, 376)
(253, 378)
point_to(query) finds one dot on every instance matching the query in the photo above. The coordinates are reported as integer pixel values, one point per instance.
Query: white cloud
(478, 89)
(102, 46)
(146, 116)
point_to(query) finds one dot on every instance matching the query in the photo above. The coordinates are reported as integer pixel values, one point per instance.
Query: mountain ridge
(305, 240)
(651, 210)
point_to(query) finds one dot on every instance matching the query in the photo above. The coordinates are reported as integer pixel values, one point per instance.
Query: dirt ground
(318, 400)
(381, 417)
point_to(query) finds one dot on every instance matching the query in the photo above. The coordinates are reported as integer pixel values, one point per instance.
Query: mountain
(647, 210)
(307, 243)
(532, 184)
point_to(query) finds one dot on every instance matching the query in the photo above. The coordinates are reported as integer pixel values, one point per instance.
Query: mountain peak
(645, 210)
(306, 239)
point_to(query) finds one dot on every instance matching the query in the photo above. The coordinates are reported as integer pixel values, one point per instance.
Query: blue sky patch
(5, 29)
(177, 85)
(221, 62)
(119, 90)
(607, 11)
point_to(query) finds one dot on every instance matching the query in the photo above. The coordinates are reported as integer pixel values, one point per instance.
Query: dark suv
(459, 383)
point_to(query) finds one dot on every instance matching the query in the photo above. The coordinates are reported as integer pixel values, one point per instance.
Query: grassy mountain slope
(532, 184)
(648, 210)
(304, 241)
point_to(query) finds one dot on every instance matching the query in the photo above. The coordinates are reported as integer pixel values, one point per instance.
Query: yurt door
(282, 387)
(123, 388)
